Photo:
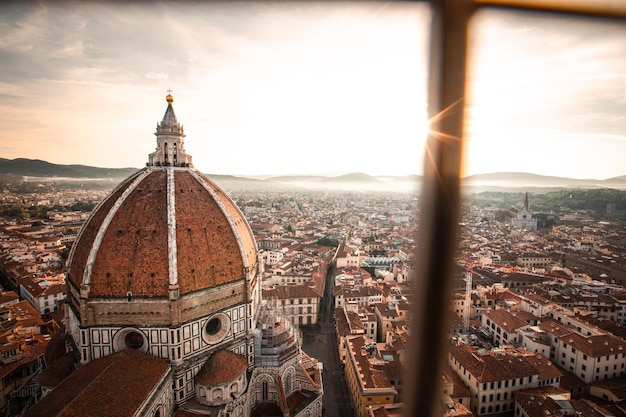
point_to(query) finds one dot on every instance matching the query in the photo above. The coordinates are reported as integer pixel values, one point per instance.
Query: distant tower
(524, 219)
(610, 209)
(468, 299)
(526, 202)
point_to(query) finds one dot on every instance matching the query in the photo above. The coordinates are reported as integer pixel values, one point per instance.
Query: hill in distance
(42, 171)
(351, 182)
(22, 167)
(515, 181)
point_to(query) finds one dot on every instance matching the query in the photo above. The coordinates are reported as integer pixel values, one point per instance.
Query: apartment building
(494, 376)
(504, 326)
(272, 257)
(386, 315)
(592, 358)
(620, 297)
(533, 260)
(354, 321)
(602, 304)
(347, 256)
(44, 295)
(361, 295)
(591, 354)
(7, 298)
(299, 303)
(542, 402)
(370, 376)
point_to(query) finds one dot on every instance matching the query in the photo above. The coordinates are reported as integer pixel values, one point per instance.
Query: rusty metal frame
(437, 235)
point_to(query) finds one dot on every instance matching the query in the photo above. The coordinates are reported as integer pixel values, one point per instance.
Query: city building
(543, 401)
(353, 321)
(590, 356)
(494, 376)
(45, 295)
(299, 303)
(22, 353)
(372, 379)
(503, 325)
(347, 256)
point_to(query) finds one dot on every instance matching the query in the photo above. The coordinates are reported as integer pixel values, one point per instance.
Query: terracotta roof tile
(505, 319)
(213, 240)
(87, 235)
(133, 253)
(208, 252)
(492, 367)
(116, 385)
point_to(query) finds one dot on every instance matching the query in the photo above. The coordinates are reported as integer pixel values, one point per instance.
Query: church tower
(526, 202)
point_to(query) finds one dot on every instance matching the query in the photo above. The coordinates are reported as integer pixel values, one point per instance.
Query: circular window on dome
(130, 338)
(216, 328)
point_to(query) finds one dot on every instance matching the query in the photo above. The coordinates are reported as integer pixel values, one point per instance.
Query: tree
(325, 241)
(379, 252)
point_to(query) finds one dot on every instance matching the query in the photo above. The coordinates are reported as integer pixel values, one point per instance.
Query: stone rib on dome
(213, 242)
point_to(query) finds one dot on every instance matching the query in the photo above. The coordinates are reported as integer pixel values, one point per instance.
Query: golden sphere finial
(169, 97)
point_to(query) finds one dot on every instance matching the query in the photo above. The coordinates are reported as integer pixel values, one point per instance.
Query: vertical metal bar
(436, 237)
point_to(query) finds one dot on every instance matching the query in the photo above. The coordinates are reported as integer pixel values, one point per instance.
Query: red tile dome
(161, 227)
(222, 367)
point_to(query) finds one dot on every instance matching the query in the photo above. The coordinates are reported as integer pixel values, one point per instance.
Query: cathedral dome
(162, 226)
(165, 233)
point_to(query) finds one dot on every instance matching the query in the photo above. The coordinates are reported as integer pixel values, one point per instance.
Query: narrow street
(320, 342)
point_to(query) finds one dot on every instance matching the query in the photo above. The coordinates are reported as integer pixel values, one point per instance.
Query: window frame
(440, 199)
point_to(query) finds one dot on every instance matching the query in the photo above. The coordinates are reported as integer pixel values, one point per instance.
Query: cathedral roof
(116, 385)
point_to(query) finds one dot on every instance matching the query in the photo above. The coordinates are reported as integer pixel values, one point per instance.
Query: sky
(281, 88)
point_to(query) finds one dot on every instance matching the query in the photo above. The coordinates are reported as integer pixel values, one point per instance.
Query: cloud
(554, 73)
(157, 76)
(345, 80)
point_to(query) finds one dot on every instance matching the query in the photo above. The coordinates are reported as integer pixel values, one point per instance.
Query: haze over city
(304, 88)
